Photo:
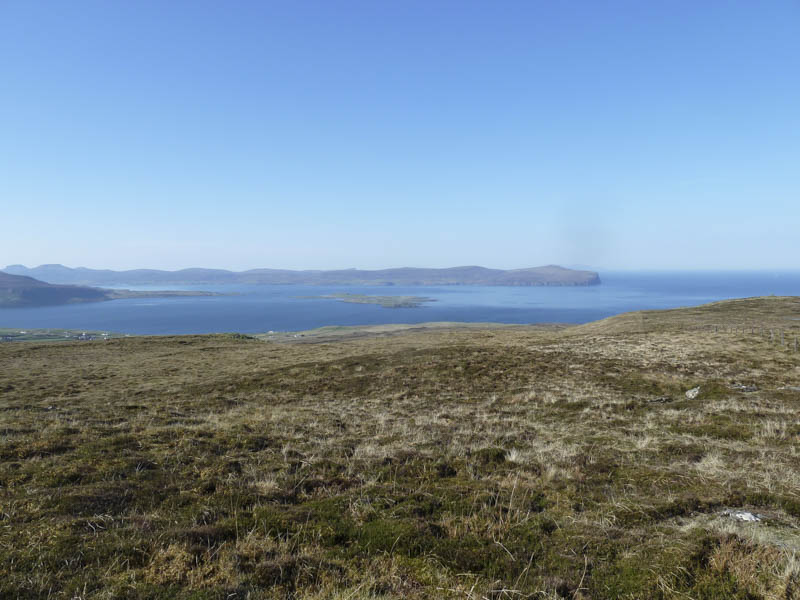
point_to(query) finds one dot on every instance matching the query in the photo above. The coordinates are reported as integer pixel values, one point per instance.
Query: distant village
(49, 335)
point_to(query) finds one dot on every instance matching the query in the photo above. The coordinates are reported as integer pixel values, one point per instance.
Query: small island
(126, 294)
(384, 301)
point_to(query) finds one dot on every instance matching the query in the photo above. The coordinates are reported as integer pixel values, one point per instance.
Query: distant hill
(547, 275)
(18, 291)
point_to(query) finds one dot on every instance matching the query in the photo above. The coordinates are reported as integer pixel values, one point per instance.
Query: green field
(416, 462)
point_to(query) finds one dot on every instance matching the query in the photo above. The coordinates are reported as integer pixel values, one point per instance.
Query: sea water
(262, 308)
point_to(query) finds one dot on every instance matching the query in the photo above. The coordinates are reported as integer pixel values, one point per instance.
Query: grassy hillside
(445, 463)
(741, 314)
(16, 290)
(22, 291)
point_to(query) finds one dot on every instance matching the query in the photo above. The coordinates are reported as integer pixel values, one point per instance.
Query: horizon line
(465, 266)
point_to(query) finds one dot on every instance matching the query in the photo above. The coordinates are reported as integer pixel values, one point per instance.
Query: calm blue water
(278, 308)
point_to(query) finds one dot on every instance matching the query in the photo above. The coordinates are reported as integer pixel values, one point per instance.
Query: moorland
(649, 455)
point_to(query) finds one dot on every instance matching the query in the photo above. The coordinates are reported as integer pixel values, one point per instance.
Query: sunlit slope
(753, 313)
(438, 462)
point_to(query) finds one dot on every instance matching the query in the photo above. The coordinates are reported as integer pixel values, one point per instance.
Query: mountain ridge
(463, 275)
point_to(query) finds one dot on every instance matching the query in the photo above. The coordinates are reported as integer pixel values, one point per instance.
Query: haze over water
(258, 309)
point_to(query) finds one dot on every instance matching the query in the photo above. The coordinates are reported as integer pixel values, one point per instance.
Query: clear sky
(336, 134)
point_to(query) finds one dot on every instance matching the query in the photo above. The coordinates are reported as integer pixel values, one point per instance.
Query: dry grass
(465, 463)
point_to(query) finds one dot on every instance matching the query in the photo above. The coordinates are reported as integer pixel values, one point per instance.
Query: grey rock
(742, 515)
(660, 400)
(693, 393)
(739, 387)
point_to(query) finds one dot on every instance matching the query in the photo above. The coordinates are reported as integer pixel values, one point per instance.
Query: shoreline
(790, 304)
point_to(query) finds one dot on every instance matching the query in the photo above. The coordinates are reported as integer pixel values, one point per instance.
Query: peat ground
(514, 462)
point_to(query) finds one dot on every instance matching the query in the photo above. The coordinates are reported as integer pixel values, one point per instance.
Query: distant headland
(19, 291)
(535, 276)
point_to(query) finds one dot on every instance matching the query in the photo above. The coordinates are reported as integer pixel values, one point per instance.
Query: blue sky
(614, 134)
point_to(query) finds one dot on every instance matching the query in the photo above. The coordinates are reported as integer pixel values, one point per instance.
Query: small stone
(693, 393)
(744, 388)
(660, 400)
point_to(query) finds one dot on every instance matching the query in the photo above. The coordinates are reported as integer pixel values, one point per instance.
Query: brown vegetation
(512, 462)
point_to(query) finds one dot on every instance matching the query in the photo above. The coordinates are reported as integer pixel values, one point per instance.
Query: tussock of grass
(474, 463)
